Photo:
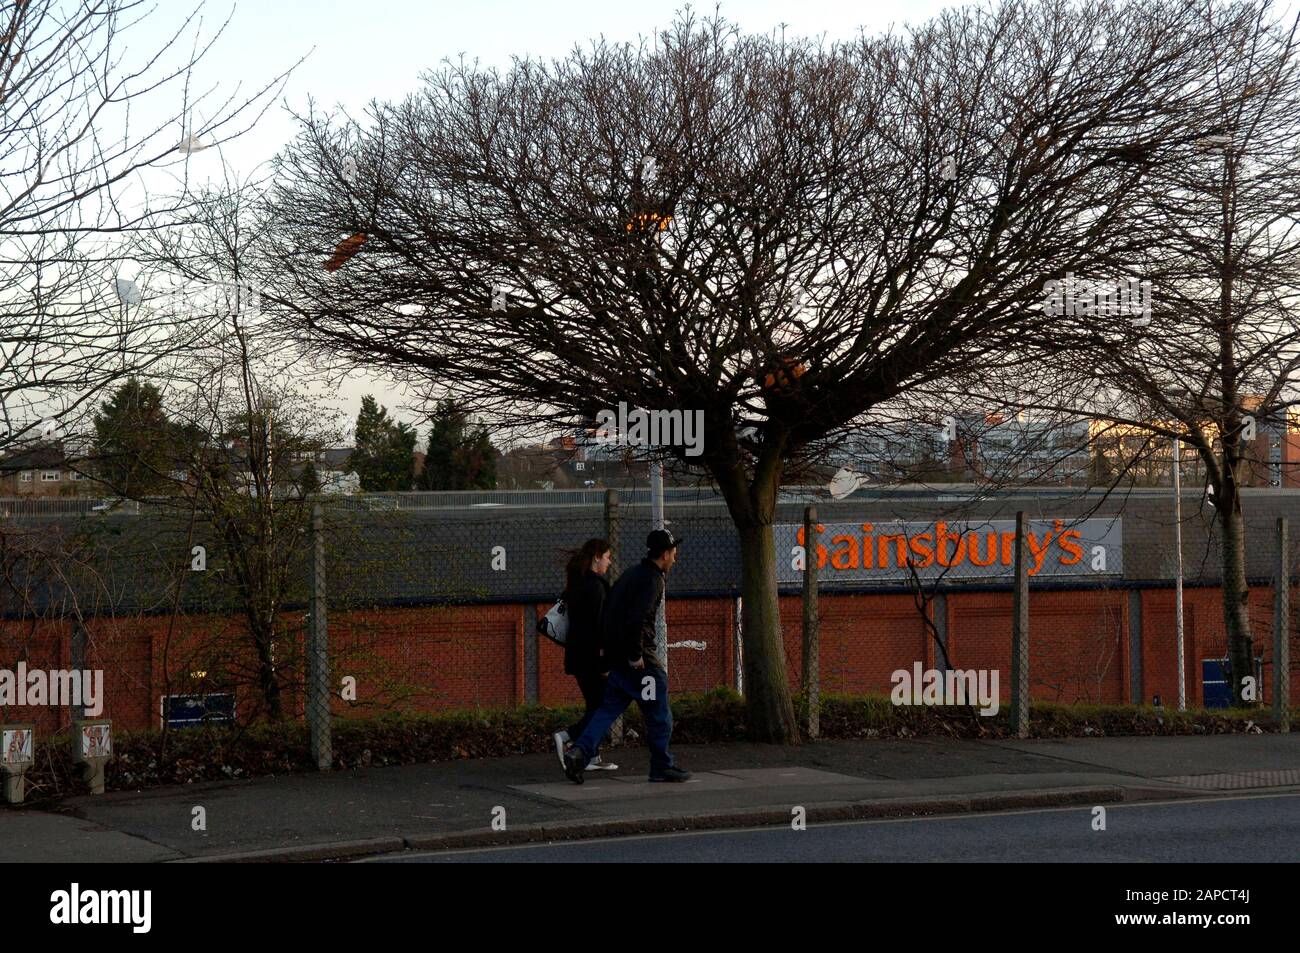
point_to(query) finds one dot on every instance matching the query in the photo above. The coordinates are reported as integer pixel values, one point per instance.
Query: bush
(143, 759)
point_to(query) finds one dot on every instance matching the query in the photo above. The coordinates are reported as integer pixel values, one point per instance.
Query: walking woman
(586, 588)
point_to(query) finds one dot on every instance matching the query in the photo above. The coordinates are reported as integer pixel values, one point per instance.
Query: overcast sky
(359, 51)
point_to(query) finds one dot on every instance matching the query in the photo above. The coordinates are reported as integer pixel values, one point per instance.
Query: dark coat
(629, 628)
(586, 604)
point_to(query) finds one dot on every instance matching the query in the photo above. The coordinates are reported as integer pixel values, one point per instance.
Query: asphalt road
(1264, 828)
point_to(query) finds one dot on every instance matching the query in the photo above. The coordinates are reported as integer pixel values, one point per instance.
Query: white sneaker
(561, 739)
(599, 765)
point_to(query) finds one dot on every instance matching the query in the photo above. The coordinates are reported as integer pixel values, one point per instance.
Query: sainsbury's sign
(952, 549)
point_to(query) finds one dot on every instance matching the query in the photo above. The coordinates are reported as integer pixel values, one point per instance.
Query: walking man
(637, 672)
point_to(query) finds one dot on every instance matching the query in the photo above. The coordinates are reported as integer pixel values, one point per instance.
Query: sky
(359, 51)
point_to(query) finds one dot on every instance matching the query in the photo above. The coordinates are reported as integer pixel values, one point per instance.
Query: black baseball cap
(659, 542)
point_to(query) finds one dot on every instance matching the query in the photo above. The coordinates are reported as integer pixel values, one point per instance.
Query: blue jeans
(626, 685)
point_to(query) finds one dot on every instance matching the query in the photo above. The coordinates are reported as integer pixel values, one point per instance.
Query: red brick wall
(1078, 642)
(710, 621)
(863, 639)
(437, 658)
(426, 659)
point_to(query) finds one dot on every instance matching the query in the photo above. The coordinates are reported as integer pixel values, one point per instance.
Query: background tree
(459, 456)
(132, 450)
(70, 198)
(1217, 365)
(383, 452)
(309, 482)
(778, 233)
(244, 418)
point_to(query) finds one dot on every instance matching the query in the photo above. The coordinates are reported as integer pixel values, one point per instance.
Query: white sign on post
(16, 746)
(96, 740)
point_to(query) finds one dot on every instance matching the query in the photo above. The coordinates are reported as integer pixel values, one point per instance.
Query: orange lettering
(942, 537)
(991, 553)
(920, 546)
(846, 555)
(1068, 546)
(1038, 550)
(900, 546)
(1008, 548)
(821, 550)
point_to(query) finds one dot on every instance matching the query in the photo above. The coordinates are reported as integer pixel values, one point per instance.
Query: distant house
(332, 469)
(336, 474)
(581, 459)
(41, 471)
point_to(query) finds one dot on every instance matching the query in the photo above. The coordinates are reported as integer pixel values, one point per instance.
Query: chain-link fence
(192, 616)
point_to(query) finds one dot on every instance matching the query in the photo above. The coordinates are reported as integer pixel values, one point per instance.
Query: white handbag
(555, 624)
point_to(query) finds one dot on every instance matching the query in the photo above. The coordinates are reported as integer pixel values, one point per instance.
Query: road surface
(1263, 828)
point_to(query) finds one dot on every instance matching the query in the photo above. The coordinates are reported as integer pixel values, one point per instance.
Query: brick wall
(438, 658)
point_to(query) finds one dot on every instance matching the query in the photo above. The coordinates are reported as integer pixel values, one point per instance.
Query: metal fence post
(811, 664)
(318, 676)
(1282, 632)
(1020, 633)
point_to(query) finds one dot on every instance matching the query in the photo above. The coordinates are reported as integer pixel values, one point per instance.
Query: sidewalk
(451, 804)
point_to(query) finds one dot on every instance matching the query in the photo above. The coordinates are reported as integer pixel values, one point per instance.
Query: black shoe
(670, 774)
(574, 764)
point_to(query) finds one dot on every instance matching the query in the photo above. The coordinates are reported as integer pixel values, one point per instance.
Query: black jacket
(582, 653)
(629, 627)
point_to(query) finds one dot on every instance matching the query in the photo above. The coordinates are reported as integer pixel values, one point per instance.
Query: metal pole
(657, 521)
(1178, 579)
(738, 640)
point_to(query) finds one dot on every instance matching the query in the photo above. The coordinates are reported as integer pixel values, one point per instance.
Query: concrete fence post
(616, 730)
(811, 662)
(318, 674)
(1020, 633)
(611, 532)
(1282, 631)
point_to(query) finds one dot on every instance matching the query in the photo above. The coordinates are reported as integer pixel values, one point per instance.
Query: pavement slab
(372, 810)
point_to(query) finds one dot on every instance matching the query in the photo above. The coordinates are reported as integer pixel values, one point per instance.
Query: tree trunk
(768, 708)
(1236, 593)
(266, 680)
(751, 502)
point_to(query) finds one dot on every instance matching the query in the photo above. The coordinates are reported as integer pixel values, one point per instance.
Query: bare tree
(776, 233)
(1219, 220)
(72, 190)
(241, 423)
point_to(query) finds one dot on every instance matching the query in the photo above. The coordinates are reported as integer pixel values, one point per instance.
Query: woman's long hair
(580, 561)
